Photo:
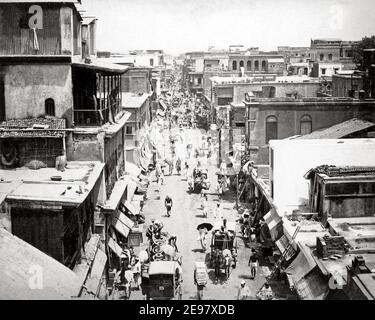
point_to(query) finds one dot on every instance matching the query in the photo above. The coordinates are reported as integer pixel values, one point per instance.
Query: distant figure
(265, 293)
(253, 263)
(218, 214)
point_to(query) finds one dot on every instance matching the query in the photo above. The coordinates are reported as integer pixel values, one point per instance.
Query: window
(234, 65)
(263, 65)
(341, 52)
(199, 81)
(209, 65)
(330, 57)
(256, 65)
(49, 105)
(305, 125)
(129, 130)
(151, 62)
(241, 63)
(321, 57)
(271, 128)
(248, 65)
(224, 101)
(335, 70)
(349, 53)
(323, 70)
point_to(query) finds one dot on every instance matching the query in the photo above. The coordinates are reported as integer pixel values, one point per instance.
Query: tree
(365, 43)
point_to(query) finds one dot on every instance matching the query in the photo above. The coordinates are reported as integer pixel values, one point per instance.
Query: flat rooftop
(77, 181)
(351, 228)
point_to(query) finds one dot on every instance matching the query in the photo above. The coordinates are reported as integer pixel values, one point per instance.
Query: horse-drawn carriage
(164, 280)
(200, 180)
(223, 248)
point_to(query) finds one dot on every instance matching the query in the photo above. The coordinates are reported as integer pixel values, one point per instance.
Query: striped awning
(274, 223)
(283, 245)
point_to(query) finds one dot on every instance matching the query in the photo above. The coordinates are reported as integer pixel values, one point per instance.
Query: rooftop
(18, 260)
(340, 130)
(133, 100)
(354, 228)
(77, 181)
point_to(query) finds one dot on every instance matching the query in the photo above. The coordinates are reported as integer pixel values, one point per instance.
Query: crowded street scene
(187, 150)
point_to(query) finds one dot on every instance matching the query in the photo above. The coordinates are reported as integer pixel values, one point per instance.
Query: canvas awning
(97, 270)
(132, 169)
(122, 223)
(163, 105)
(283, 245)
(274, 224)
(300, 267)
(115, 247)
(132, 207)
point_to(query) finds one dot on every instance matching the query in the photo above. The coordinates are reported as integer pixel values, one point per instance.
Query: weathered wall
(341, 85)
(28, 86)
(43, 229)
(85, 147)
(288, 119)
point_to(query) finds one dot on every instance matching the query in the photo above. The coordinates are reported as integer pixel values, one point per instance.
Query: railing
(89, 117)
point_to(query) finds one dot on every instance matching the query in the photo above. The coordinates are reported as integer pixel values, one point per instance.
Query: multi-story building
(331, 55)
(279, 118)
(61, 113)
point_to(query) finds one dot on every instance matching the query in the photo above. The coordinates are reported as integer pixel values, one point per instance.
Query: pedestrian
(158, 184)
(219, 188)
(204, 204)
(243, 291)
(253, 263)
(178, 166)
(218, 214)
(137, 273)
(168, 205)
(265, 293)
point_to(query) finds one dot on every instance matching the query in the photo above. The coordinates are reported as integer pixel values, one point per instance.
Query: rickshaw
(200, 277)
(164, 280)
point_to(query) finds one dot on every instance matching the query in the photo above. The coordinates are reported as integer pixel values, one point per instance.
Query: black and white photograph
(194, 150)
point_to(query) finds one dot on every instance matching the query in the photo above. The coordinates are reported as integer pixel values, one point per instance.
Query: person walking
(219, 188)
(253, 263)
(168, 205)
(205, 204)
(218, 214)
(243, 291)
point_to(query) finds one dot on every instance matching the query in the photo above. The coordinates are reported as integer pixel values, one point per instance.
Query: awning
(313, 286)
(163, 105)
(300, 267)
(122, 223)
(115, 247)
(132, 169)
(274, 223)
(101, 66)
(282, 244)
(132, 207)
(96, 273)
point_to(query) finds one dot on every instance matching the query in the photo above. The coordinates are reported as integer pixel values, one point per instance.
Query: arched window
(271, 128)
(234, 65)
(248, 65)
(321, 57)
(263, 65)
(49, 106)
(241, 63)
(305, 124)
(330, 57)
(256, 65)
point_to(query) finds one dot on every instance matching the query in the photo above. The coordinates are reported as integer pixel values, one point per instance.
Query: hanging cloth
(35, 41)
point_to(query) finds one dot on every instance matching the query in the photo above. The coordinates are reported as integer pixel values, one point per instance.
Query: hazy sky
(178, 26)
